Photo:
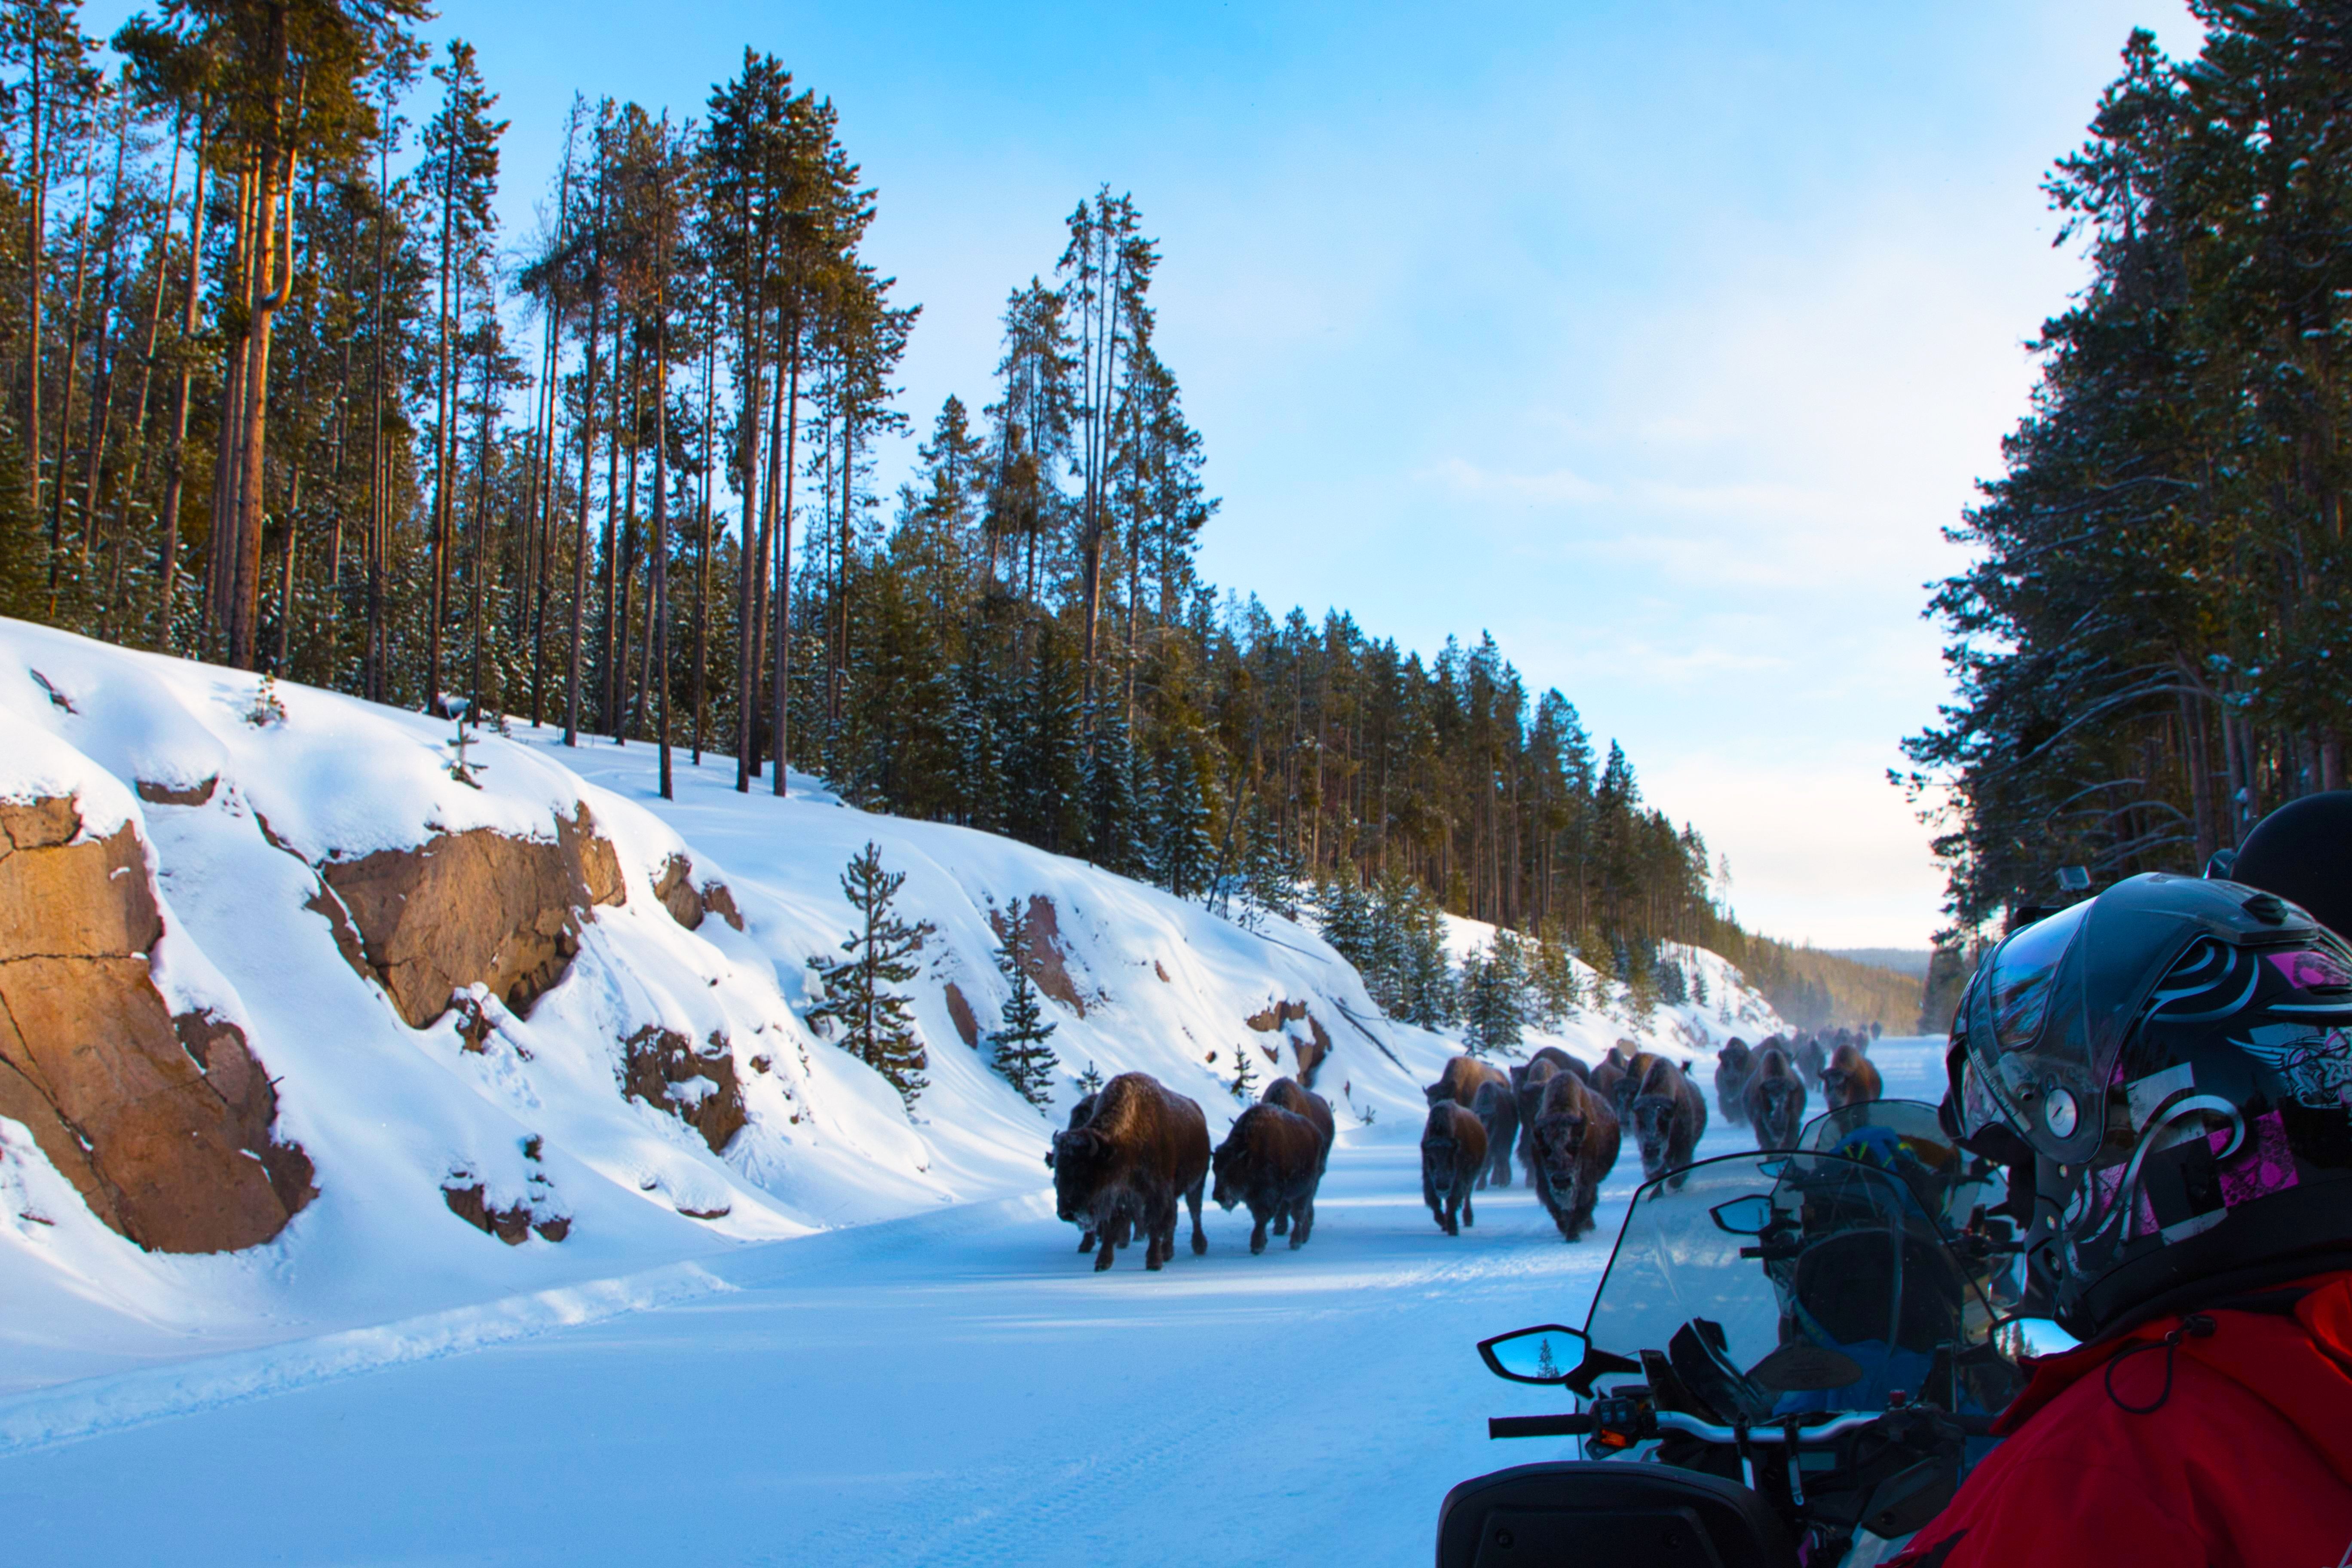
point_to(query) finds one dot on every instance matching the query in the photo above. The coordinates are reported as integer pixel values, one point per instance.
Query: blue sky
(1659, 339)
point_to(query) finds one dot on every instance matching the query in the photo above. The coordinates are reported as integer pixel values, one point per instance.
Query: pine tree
(1493, 995)
(1552, 980)
(1344, 916)
(1091, 1080)
(1187, 858)
(1112, 818)
(1243, 1086)
(1018, 1047)
(858, 997)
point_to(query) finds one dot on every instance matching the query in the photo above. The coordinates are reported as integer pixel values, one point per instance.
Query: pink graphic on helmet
(2266, 1166)
(2311, 969)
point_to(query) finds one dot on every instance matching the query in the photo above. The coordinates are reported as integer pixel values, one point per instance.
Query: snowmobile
(1793, 1357)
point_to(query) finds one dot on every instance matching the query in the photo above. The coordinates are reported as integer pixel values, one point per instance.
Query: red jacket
(2247, 1461)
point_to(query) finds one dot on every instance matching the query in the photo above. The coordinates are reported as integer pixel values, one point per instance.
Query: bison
(1300, 1100)
(1622, 1084)
(1553, 1057)
(1849, 1079)
(1531, 1081)
(1122, 1230)
(1732, 1065)
(1669, 1116)
(1143, 1152)
(1460, 1081)
(1776, 1101)
(1452, 1153)
(1810, 1058)
(1271, 1161)
(1497, 1111)
(1575, 1148)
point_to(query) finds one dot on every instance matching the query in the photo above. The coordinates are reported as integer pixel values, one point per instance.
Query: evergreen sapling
(858, 997)
(1018, 1047)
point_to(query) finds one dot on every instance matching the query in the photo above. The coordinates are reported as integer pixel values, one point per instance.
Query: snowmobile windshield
(1907, 1139)
(2045, 1022)
(1773, 1285)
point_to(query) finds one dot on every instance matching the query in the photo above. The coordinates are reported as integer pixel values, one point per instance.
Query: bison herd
(1136, 1154)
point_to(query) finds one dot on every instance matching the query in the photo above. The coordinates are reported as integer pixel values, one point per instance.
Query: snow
(884, 1343)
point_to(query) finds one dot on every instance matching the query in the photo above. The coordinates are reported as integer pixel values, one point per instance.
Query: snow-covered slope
(533, 1109)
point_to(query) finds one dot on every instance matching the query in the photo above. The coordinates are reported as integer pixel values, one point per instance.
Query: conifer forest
(280, 392)
(2143, 647)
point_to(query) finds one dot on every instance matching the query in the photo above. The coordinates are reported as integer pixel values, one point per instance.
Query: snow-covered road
(959, 1387)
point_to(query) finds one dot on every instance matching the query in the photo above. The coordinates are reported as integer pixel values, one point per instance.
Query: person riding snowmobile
(2167, 1070)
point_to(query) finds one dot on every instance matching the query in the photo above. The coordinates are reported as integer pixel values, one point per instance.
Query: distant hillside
(1814, 989)
(1910, 960)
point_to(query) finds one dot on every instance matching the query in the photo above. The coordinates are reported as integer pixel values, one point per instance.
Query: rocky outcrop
(1311, 1052)
(967, 1023)
(163, 1124)
(689, 905)
(1040, 957)
(466, 909)
(663, 1068)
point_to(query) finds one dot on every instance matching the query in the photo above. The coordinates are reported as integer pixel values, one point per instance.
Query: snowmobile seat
(1567, 1514)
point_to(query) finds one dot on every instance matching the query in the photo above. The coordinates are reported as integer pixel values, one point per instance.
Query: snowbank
(244, 792)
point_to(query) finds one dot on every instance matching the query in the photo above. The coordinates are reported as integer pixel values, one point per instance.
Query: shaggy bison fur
(1850, 1079)
(1531, 1080)
(1143, 1153)
(1621, 1085)
(1300, 1100)
(1452, 1153)
(1460, 1081)
(1557, 1059)
(1575, 1148)
(1810, 1059)
(1776, 1100)
(1122, 1229)
(1271, 1161)
(1497, 1111)
(1732, 1065)
(1669, 1117)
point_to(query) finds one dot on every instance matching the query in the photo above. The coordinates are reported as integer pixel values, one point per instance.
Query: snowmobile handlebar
(1663, 1421)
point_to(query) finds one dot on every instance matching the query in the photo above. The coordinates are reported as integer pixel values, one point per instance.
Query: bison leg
(1104, 1257)
(1468, 1215)
(1282, 1219)
(1086, 1242)
(1304, 1222)
(1258, 1230)
(1199, 1236)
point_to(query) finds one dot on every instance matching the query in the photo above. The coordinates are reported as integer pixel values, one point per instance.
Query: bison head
(1081, 1162)
(1780, 1111)
(1560, 1155)
(1654, 1125)
(1231, 1162)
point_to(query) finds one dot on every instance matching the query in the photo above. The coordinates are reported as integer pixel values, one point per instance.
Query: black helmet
(2172, 1062)
(2303, 852)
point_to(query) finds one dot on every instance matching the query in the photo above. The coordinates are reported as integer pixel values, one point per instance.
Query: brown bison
(1850, 1079)
(1497, 1111)
(1122, 1228)
(1619, 1084)
(1732, 1065)
(1531, 1080)
(1142, 1154)
(1669, 1117)
(1460, 1081)
(1452, 1153)
(1575, 1148)
(1553, 1057)
(1810, 1058)
(1300, 1100)
(1271, 1161)
(1776, 1100)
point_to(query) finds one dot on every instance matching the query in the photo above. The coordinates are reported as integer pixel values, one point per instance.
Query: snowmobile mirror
(1750, 1215)
(1547, 1354)
(2074, 879)
(1799, 1367)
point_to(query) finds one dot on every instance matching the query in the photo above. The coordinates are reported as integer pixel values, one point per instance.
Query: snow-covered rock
(592, 1061)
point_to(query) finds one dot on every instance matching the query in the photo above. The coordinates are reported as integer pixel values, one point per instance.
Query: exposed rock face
(657, 1063)
(1310, 1053)
(162, 1123)
(472, 908)
(967, 1024)
(1040, 957)
(689, 905)
(159, 793)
